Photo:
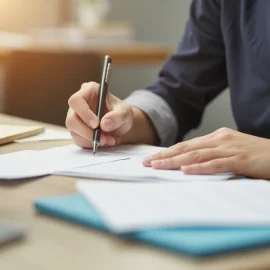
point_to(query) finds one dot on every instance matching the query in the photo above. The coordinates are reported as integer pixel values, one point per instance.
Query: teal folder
(197, 242)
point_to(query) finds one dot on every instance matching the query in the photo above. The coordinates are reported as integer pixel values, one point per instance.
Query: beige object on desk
(55, 244)
(10, 133)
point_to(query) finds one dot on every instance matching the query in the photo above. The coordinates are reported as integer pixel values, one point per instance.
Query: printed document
(127, 207)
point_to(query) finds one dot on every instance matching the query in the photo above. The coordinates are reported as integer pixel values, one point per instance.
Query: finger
(116, 118)
(79, 103)
(109, 140)
(221, 165)
(183, 147)
(80, 141)
(89, 92)
(77, 126)
(193, 157)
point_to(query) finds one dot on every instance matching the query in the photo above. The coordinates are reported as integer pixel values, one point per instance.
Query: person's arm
(189, 80)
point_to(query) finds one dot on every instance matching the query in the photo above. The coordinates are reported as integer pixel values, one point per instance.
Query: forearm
(142, 131)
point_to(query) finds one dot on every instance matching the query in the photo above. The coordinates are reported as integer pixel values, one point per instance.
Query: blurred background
(48, 48)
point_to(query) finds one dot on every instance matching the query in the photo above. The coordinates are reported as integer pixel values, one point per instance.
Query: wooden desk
(131, 53)
(55, 244)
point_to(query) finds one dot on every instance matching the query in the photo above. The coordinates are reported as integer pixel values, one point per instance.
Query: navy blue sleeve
(196, 73)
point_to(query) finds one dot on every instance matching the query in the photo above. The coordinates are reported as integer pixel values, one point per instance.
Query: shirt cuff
(159, 113)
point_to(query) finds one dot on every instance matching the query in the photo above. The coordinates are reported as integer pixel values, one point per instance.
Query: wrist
(142, 131)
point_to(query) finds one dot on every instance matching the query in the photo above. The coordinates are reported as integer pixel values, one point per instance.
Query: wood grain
(55, 244)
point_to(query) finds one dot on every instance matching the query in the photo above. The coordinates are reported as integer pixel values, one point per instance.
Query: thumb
(120, 115)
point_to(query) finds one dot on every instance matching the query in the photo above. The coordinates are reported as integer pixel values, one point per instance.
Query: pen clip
(108, 74)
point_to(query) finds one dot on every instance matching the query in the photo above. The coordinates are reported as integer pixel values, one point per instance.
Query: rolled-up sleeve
(190, 78)
(159, 113)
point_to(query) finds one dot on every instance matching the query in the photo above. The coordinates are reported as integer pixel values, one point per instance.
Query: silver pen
(102, 99)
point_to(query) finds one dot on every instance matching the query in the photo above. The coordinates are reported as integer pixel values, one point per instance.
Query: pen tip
(95, 147)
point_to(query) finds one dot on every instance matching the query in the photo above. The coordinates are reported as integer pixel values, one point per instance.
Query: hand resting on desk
(222, 151)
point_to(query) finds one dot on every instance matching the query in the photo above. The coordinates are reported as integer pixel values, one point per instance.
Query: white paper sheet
(48, 135)
(135, 150)
(127, 207)
(26, 164)
(74, 161)
(133, 170)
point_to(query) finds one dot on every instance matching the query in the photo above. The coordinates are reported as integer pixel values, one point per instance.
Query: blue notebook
(189, 241)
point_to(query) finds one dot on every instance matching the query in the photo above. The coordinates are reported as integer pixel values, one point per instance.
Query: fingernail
(93, 123)
(183, 168)
(108, 124)
(157, 163)
(186, 169)
(147, 160)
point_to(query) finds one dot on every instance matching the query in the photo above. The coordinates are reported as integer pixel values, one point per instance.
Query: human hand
(222, 151)
(81, 119)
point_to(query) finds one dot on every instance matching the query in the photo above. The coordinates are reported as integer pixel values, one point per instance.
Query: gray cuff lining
(159, 112)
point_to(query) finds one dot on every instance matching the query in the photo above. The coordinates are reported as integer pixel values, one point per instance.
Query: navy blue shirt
(226, 43)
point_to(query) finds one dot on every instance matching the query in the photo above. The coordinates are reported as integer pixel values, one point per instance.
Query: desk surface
(123, 54)
(55, 244)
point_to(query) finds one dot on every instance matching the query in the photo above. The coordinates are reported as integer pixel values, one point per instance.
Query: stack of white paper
(134, 150)
(116, 163)
(133, 170)
(26, 164)
(127, 207)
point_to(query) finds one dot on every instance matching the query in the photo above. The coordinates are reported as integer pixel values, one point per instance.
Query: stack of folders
(196, 219)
